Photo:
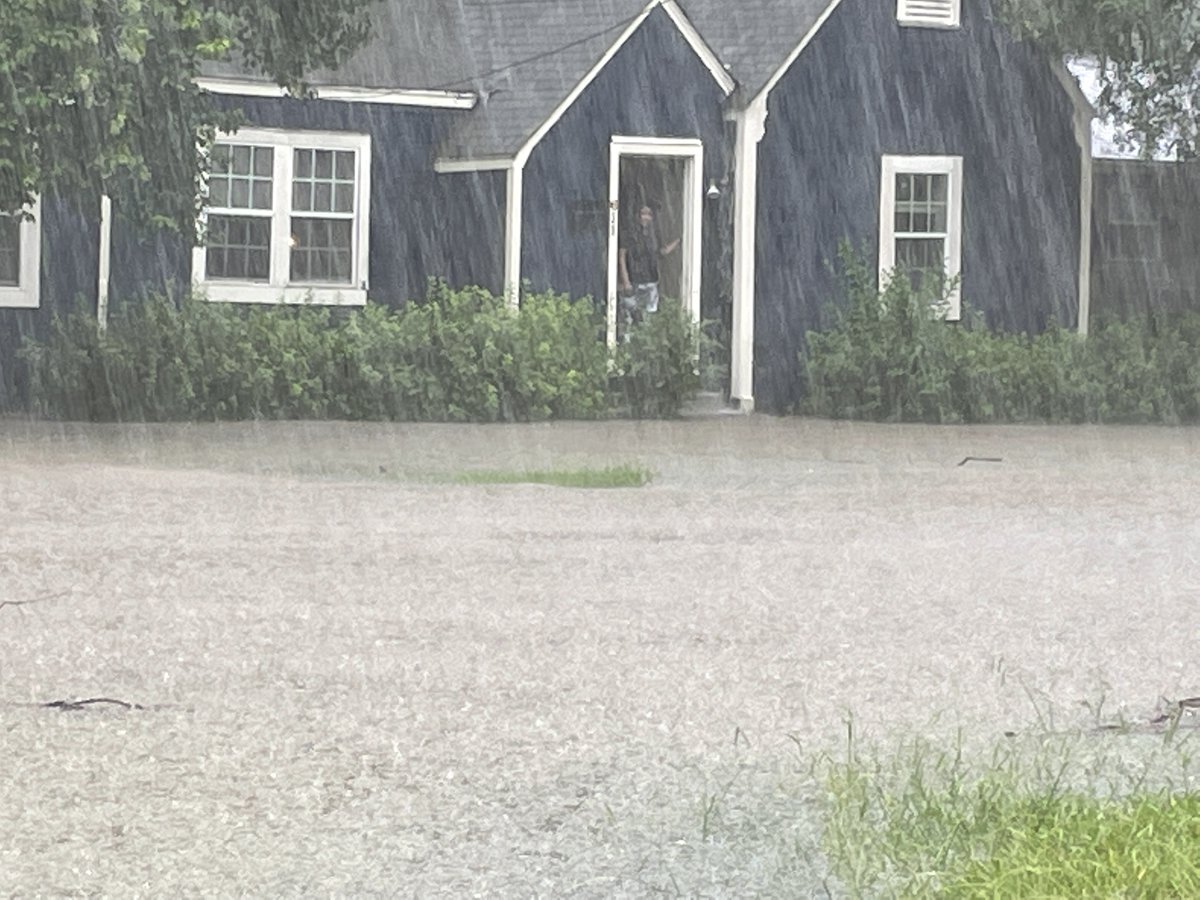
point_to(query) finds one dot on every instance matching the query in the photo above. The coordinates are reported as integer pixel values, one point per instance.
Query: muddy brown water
(362, 680)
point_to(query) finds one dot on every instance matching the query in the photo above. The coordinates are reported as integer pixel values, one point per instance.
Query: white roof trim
(386, 96)
(527, 148)
(805, 41)
(710, 59)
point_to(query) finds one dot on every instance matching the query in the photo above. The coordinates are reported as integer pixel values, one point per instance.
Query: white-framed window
(21, 259)
(920, 223)
(286, 218)
(929, 13)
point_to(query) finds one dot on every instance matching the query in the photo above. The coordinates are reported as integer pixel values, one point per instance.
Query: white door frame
(691, 150)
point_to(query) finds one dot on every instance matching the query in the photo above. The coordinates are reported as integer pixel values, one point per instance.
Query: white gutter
(243, 87)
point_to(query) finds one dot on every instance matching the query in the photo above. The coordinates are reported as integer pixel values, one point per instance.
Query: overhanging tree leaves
(1148, 57)
(100, 95)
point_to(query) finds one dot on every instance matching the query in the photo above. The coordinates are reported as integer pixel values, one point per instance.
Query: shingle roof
(753, 37)
(523, 57)
(538, 50)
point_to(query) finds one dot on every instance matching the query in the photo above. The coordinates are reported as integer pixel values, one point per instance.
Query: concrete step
(708, 403)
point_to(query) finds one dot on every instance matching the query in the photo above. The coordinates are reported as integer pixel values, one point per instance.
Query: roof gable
(756, 38)
(533, 80)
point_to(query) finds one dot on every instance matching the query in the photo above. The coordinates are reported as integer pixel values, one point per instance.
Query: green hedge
(456, 356)
(891, 357)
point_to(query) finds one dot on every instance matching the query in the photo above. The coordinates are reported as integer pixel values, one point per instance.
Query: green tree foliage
(1148, 56)
(99, 95)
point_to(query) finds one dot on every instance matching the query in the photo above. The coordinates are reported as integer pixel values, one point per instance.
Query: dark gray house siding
(423, 224)
(866, 87)
(1144, 257)
(654, 86)
(70, 271)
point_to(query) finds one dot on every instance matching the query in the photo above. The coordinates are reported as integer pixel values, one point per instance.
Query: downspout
(105, 261)
(751, 126)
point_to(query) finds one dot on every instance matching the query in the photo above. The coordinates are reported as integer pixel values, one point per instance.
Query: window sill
(18, 298)
(233, 292)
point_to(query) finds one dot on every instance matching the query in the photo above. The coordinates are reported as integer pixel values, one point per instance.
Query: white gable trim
(710, 59)
(385, 96)
(804, 42)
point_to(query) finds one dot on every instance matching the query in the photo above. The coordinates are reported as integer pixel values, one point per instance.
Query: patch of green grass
(925, 823)
(608, 477)
(1077, 846)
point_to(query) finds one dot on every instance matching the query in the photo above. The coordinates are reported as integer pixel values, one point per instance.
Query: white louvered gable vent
(930, 13)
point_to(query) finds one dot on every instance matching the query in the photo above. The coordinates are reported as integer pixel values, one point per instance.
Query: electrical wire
(535, 58)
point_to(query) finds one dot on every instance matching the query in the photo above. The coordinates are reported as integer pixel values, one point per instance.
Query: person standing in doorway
(637, 262)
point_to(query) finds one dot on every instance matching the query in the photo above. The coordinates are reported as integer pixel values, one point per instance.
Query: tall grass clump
(456, 356)
(926, 822)
(892, 357)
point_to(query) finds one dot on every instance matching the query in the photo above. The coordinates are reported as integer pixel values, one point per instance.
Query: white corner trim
(751, 127)
(707, 56)
(513, 233)
(105, 266)
(1085, 112)
(804, 42)
(1086, 186)
(279, 289)
(951, 166)
(492, 164)
(244, 87)
(27, 294)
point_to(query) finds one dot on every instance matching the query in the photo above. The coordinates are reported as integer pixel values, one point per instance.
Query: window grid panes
(323, 181)
(10, 251)
(239, 248)
(921, 225)
(241, 177)
(322, 250)
(323, 206)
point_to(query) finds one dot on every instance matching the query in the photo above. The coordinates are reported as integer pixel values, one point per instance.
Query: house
(504, 144)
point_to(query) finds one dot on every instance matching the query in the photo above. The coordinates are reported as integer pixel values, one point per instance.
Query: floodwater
(360, 679)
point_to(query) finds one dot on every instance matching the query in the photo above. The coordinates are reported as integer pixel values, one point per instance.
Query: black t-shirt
(641, 249)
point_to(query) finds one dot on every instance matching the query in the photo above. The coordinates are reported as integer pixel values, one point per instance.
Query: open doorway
(654, 188)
